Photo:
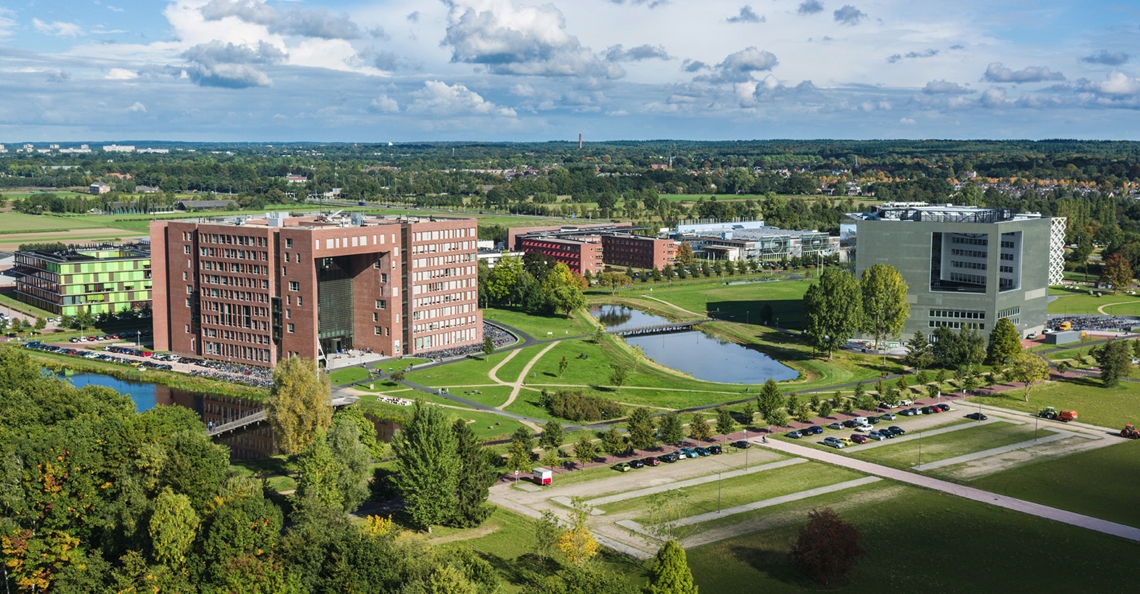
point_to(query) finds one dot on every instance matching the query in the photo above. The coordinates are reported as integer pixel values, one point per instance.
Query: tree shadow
(789, 312)
(774, 563)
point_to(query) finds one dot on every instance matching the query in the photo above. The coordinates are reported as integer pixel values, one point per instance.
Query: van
(905, 402)
(860, 421)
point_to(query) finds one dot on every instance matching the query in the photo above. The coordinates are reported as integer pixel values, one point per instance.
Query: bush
(576, 406)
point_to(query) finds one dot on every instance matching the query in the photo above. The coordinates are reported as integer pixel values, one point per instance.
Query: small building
(492, 257)
(205, 204)
(543, 476)
(1063, 337)
(99, 188)
(296, 179)
(146, 189)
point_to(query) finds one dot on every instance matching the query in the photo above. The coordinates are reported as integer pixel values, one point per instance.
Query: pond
(694, 352)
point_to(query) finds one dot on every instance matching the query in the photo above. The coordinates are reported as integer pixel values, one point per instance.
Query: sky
(537, 70)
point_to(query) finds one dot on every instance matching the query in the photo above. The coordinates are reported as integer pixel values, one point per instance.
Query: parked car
(872, 420)
(910, 412)
(636, 464)
(904, 402)
(977, 416)
(850, 423)
(670, 457)
(929, 410)
(681, 454)
(794, 434)
(621, 467)
(833, 442)
(836, 425)
(846, 441)
(896, 430)
(742, 444)
(702, 452)
(714, 449)
(860, 439)
(942, 407)
(650, 461)
(865, 428)
(813, 430)
(876, 435)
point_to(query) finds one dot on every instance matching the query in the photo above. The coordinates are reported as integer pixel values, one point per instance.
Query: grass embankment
(178, 381)
(14, 222)
(31, 310)
(538, 326)
(469, 372)
(487, 426)
(738, 302)
(1096, 405)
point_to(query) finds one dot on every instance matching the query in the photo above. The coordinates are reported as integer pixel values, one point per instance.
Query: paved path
(693, 482)
(518, 383)
(913, 435)
(1101, 308)
(995, 451)
(494, 373)
(1034, 509)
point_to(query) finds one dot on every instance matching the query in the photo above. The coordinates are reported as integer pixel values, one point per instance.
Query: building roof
(940, 213)
(94, 252)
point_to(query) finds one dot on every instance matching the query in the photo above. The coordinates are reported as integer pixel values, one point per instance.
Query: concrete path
(1101, 311)
(1000, 450)
(494, 373)
(1034, 509)
(518, 383)
(712, 478)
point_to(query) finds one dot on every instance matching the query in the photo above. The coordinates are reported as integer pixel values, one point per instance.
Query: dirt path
(1101, 308)
(494, 373)
(517, 384)
(676, 307)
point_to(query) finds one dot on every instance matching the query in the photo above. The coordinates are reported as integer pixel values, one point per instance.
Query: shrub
(576, 406)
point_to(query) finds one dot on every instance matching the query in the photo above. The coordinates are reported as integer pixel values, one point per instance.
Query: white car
(904, 403)
(865, 428)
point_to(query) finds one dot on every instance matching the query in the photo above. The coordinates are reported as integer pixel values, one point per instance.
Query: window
(184, 276)
(189, 290)
(288, 314)
(188, 328)
(288, 244)
(290, 328)
(283, 272)
(186, 249)
(376, 265)
(299, 302)
(378, 330)
(375, 317)
(295, 286)
(381, 304)
(383, 277)
(188, 302)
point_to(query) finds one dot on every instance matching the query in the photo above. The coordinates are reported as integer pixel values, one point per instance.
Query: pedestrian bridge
(657, 328)
(259, 417)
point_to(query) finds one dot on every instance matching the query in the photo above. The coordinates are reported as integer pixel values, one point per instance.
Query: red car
(651, 461)
(858, 438)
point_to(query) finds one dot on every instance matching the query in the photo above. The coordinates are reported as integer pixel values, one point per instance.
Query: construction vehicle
(1130, 432)
(1065, 326)
(1057, 415)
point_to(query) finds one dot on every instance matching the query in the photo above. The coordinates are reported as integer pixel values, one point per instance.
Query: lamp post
(746, 448)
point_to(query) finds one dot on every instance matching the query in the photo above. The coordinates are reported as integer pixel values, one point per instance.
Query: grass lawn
(490, 396)
(31, 310)
(739, 490)
(1097, 405)
(14, 222)
(1080, 302)
(510, 372)
(468, 372)
(739, 302)
(487, 426)
(1102, 483)
(925, 541)
(538, 326)
(948, 445)
(348, 375)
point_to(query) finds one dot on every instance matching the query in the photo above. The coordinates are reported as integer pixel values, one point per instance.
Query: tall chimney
(579, 141)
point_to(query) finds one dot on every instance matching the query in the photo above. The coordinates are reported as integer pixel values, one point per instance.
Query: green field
(538, 326)
(487, 426)
(925, 541)
(468, 372)
(348, 375)
(947, 445)
(1096, 405)
(1072, 301)
(740, 303)
(14, 222)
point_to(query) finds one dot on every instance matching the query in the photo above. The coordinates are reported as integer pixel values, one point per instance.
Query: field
(14, 222)
(348, 375)
(1096, 405)
(948, 445)
(1071, 301)
(538, 326)
(738, 302)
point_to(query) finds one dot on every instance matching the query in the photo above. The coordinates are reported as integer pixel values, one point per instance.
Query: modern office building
(582, 254)
(255, 291)
(766, 244)
(638, 252)
(965, 266)
(96, 279)
(589, 248)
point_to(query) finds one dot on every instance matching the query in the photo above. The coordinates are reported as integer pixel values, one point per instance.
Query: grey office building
(965, 266)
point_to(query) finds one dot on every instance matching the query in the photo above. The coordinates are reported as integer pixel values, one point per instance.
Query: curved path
(677, 307)
(494, 373)
(518, 383)
(1101, 308)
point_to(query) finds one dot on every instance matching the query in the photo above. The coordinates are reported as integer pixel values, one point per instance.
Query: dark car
(701, 451)
(813, 430)
(943, 407)
(887, 417)
(650, 461)
(977, 416)
(714, 450)
(636, 464)
(670, 457)
(859, 438)
(850, 423)
(873, 420)
(794, 434)
(896, 430)
(742, 444)
(929, 410)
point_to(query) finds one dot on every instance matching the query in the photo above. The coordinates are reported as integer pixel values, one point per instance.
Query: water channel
(694, 352)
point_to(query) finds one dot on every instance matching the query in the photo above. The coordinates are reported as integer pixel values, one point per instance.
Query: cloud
(694, 66)
(529, 40)
(121, 74)
(7, 23)
(849, 15)
(58, 76)
(384, 104)
(303, 23)
(58, 28)
(943, 87)
(413, 16)
(137, 108)
(907, 121)
(996, 72)
(388, 61)
(994, 97)
(746, 16)
(439, 98)
(927, 53)
(636, 54)
(810, 7)
(1103, 57)
(649, 3)
(1116, 84)
(739, 66)
(227, 65)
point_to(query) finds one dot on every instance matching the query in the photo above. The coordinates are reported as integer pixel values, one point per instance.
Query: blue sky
(404, 70)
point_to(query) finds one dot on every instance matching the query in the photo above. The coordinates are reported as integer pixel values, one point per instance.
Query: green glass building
(102, 279)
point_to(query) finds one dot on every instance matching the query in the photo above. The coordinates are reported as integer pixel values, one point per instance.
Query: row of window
(448, 298)
(962, 277)
(443, 272)
(969, 253)
(1005, 313)
(439, 340)
(433, 248)
(237, 351)
(956, 325)
(960, 240)
(206, 252)
(443, 260)
(969, 265)
(227, 239)
(419, 236)
(955, 313)
(1008, 269)
(443, 286)
(1007, 245)
(1007, 257)
(443, 312)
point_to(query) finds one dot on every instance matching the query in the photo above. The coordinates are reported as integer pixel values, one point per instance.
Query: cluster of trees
(534, 283)
(839, 305)
(576, 406)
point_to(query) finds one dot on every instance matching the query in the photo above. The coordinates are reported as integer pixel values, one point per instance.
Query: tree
(503, 281)
(599, 334)
(1119, 272)
(826, 548)
(684, 255)
(318, 471)
(933, 391)
(918, 351)
(173, 526)
(426, 466)
(699, 428)
(770, 398)
(585, 450)
(825, 409)
(748, 411)
(397, 376)
(671, 429)
(885, 308)
(1028, 368)
(670, 573)
(547, 530)
(562, 365)
(972, 346)
(367, 430)
(299, 404)
(613, 443)
(618, 376)
(488, 345)
(803, 413)
(354, 464)
(848, 405)
(40, 324)
(832, 310)
(724, 422)
(1004, 343)
(520, 453)
(778, 417)
(642, 435)
(1114, 359)
(552, 435)
(577, 543)
(614, 280)
(473, 477)
(766, 313)
(562, 289)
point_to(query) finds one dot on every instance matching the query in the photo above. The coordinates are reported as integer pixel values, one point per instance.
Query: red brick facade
(580, 255)
(639, 252)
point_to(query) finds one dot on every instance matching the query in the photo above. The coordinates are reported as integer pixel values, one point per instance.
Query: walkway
(999, 450)
(518, 383)
(1101, 311)
(1019, 505)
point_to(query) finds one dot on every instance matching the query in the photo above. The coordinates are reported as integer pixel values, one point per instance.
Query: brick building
(580, 255)
(255, 291)
(638, 252)
(592, 247)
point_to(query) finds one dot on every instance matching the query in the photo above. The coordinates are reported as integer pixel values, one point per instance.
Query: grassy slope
(1080, 302)
(1107, 407)
(538, 326)
(14, 222)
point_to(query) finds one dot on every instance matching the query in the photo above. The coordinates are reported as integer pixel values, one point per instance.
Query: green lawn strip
(511, 370)
(926, 541)
(491, 396)
(742, 301)
(460, 373)
(487, 426)
(948, 445)
(31, 310)
(1125, 309)
(348, 375)
(1073, 354)
(1096, 405)
(14, 222)
(1079, 302)
(740, 490)
(1102, 483)
(538, 326)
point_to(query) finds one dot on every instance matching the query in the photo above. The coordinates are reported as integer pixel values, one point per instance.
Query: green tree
(724, 422)
(562, 289)
(474, 477)
(922, 378)
(825, 409)
(562, 365)
(503, 281)
(585, 450)
(832, 310)
(299, 404)
(194, 466)
(671, 430)
(699, 428)
(973, 347)
(40, 324)
(426, 465)
(641, 430)
(599, 334)
(354, 464)
(933, 391)
(172, 527)
(520, 454)
(619, 375)
(885, 307)
(778, 417)
(488, 345)
(1119, 272)
(803, 413)
(1028, 368)
(670, 573)
(848, 405)
(827, 548)
(918, 352)
(684, 255)
(318, 471)
(614, 280)
(397, 376)
(552, 435)
(547, 530)
(1004, 343)
(613, 443)
(748, 411)
(770, 398)
(1114, 360)
(367, 430)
